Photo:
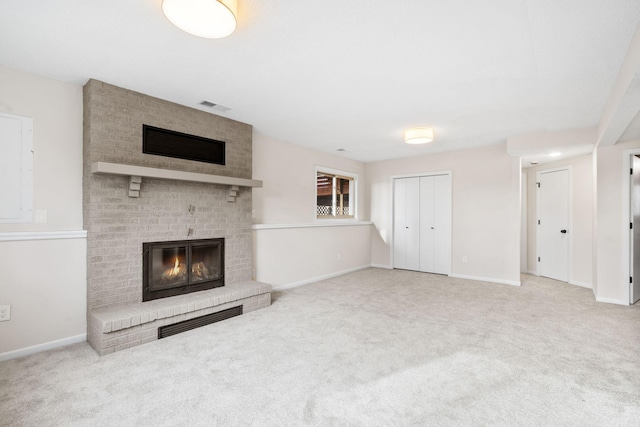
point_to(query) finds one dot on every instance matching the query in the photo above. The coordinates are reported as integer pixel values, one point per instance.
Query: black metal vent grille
(187, 325)
(179, 145)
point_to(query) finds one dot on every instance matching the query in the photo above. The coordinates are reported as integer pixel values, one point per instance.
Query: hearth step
(187, 325)
(122, 327)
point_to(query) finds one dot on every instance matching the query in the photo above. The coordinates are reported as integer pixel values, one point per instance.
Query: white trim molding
(42, 347)
(325, 223)
(42, 235)
(487, 279)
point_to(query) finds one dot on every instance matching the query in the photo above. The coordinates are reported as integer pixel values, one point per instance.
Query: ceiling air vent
(216, 107)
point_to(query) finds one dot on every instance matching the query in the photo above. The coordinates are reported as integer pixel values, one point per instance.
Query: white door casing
(553, 236)
(634, 289)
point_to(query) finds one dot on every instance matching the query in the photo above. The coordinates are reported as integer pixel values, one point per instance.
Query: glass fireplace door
(168, 267)
(180, 267)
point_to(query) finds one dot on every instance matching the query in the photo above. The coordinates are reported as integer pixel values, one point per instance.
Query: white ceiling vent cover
(216, 107)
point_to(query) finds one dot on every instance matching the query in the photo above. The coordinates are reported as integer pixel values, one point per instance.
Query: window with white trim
(335, 194)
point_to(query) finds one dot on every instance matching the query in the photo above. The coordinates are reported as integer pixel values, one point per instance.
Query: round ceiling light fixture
(211, 19)
(418, 135)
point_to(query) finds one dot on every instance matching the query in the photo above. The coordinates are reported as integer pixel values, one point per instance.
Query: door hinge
(631, 171)
(538, 184)
(538, 222)
(630, 226)
(630, 279)
(538, 259)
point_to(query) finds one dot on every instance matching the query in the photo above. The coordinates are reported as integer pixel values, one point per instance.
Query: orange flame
(176, 269)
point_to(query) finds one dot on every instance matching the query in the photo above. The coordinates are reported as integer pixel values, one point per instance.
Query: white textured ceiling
(347, 74)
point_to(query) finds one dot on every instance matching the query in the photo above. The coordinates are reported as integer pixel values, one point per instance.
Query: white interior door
(635, 249)
(553, 224)
(435, 224)
(427, 223)
(406, 223)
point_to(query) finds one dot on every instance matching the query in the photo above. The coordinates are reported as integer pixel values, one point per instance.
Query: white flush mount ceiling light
(418, 135)
(212, 19)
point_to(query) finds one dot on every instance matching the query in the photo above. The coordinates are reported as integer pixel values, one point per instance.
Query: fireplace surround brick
(117, 225)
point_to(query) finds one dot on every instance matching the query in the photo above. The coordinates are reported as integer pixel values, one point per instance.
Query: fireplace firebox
(181, 267)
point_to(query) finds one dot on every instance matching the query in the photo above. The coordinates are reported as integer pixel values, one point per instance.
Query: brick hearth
(134, 324)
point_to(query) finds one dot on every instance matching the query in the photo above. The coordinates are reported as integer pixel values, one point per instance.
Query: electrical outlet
(5, 312)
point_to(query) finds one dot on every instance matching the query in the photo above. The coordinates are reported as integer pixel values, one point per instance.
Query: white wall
(291, 246)
(612, 282)
(44, 280)
(486, 209)
(581, 234)
(288, 171)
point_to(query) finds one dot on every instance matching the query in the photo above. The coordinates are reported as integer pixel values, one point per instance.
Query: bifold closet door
(406, 224)
(422, 224)
(435, 224)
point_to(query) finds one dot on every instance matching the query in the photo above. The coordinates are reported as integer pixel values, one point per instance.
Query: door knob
(563, 231)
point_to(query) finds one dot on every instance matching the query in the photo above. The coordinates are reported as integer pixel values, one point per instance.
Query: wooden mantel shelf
(138, 172)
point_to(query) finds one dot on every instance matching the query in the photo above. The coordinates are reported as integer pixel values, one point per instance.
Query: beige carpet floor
(372, 348)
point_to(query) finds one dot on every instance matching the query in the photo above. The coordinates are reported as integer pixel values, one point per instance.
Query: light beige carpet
(372, 348)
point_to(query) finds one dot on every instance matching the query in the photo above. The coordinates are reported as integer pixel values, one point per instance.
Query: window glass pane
(334, 195)
(324, 194)
(342, 197)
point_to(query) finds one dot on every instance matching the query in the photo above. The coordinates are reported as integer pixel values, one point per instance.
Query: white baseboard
(612, 301)
(581, 284)
(42, 347)
(319, 278)
(486, 279)
(386, 267)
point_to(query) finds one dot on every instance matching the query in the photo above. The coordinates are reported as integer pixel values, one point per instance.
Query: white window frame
(22, 155)
(353, 193)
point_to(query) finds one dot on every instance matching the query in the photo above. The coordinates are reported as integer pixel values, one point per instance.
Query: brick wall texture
(117, 225)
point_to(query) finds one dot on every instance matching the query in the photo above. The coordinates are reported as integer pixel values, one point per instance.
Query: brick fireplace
(165, 210)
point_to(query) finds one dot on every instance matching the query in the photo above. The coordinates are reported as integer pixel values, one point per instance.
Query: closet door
(442, 224)
(435, 224)
(422, 224)
(427, 224)
(406, 223)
